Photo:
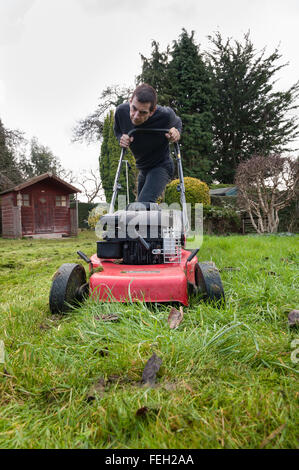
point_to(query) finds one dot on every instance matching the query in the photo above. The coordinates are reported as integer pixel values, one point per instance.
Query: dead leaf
(286, 260)
(150, 370)
(142, 411)
(110, 317)
(170, 386)
(272, 435)
(175, 317)
(44, 326)
(293, 318)
(96, 389)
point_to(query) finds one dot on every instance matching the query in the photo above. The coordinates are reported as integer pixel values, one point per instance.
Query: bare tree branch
(266, 185)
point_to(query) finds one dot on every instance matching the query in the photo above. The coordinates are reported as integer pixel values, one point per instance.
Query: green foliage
(224, 201)
(83, 212)
(9, 171)
(95, 214)
(41, 160)
(221, 220)
(155, 73)
(227, 379)
(248, 115)
(109, 158)
(196, 191)
(183, 82)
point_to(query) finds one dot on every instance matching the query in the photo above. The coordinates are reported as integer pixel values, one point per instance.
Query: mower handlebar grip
(147, 131)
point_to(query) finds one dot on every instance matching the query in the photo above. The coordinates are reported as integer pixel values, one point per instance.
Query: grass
(226, 381)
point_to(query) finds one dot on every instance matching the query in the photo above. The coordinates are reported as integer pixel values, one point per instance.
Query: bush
(196, 191)
(95, 214)
(224, 201)
(221, 220)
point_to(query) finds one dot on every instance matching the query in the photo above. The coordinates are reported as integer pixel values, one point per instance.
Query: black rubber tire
(208, 281)
(65, 290)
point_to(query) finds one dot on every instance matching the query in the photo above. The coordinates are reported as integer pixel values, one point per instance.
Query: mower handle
(147, 131)
(153, 131)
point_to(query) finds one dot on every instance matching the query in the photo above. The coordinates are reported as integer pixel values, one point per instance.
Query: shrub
(224, 201)
(196, 191)
(95, 214)
(221, 220)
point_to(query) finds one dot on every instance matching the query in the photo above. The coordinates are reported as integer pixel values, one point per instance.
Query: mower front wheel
(208, 281)
(69, 287)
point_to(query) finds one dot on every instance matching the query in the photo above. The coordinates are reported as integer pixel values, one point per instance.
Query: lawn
(227, 379)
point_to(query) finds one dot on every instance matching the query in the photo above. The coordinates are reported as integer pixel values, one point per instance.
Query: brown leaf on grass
(150, 370)
(286, 260)
(293, 318)
(44, 326)
(96, 389)
(175, 317)
(272, 435)
(110, 317)
(170, 386)
(114, 378)
(142, 411)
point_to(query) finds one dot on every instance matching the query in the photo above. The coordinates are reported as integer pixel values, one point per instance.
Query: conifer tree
(182, 81)
(9, 171)
(249, 115)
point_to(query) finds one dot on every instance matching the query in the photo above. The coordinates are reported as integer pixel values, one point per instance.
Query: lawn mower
(141, 257)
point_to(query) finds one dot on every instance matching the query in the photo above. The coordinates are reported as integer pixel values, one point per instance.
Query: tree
(90, 184)
(155, 73)
(109, 158)
(9, 170)
(266, 184)
(40, 160)
(248, 115)
(183, 82)
(91, 128)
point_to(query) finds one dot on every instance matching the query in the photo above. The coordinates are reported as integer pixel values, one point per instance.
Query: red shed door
(43, 213)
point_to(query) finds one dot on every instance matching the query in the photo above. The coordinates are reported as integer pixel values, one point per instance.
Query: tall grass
(226, 381)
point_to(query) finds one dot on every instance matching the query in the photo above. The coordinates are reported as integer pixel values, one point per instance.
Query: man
(151, 151)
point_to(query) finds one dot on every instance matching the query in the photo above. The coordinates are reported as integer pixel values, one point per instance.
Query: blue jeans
(152, 181)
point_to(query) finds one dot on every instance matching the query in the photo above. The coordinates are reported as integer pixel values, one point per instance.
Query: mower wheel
(68, 287)
(208, 281)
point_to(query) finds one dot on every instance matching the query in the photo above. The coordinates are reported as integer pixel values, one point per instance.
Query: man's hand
(173, 135)
(125, 141)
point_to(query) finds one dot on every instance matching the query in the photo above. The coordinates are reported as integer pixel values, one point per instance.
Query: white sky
(56, 56)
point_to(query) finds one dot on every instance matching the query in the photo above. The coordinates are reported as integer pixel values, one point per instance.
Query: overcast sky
(56, 56)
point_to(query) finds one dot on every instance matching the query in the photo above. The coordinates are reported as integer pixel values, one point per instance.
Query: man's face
(139, 112)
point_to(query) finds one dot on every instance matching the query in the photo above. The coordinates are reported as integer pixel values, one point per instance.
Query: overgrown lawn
(227, 379)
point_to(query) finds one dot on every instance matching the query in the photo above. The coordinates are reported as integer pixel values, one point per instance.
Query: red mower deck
(153, 283)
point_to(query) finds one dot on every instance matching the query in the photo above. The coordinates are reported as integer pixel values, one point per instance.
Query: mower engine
(142, 234)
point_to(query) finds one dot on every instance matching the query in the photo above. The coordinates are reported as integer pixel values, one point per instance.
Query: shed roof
(231, 191)
(36, 179)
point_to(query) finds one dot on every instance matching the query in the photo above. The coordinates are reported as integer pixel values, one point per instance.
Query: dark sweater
(149, 150)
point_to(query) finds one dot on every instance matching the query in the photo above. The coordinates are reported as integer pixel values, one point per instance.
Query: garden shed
(39, 208)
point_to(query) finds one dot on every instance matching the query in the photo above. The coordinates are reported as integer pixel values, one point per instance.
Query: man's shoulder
(164, 110)
(123, 108)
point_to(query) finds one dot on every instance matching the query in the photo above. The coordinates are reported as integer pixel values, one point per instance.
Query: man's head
(142, 104)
